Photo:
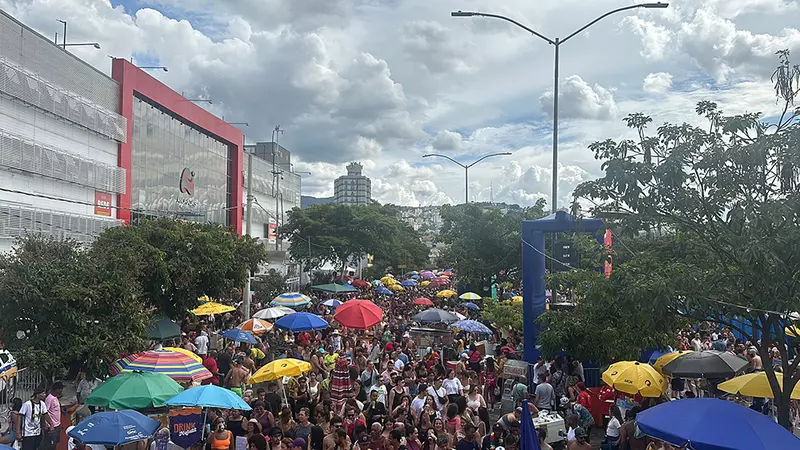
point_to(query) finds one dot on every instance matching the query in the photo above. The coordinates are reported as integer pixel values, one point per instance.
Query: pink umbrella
(427, 274)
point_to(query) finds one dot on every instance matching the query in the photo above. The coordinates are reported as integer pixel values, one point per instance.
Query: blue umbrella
(713, 424)
(408, 283)
(239, 335)
(470, 305)
(301, 322)
(528, 439)
(6, 447)
(657, 354)
(332, 303)
(209, 396)
(415, 277)
(384, 291)
(471, 326)
(115, 428)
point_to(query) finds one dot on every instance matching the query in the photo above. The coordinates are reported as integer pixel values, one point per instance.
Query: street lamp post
(557, 44)
(466, 167)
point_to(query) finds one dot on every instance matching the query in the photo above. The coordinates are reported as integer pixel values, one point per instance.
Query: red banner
(102, 204)
(607, 240)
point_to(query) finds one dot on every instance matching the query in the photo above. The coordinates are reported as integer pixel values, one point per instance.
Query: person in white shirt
(439, 395)
(201, 341)
(613, 427)
(419, 400)
(452, 386)
(398, 363)
(32, 413)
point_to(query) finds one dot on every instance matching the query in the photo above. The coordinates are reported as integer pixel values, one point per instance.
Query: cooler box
(554, 424)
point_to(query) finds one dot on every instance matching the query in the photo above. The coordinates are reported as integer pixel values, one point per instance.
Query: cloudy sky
(387, 81)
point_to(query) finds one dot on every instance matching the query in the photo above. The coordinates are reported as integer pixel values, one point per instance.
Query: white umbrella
(273, 313)
(459, 315)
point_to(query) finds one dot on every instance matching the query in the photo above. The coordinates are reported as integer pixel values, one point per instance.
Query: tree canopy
(721, 207)
(180, 261)
(483, 242)
(63, 304)
(337, 234)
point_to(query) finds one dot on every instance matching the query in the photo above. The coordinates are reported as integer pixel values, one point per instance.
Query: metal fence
(20, 386)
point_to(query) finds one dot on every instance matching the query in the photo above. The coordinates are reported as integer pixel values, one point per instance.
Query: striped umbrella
(291, 300)
(273, 313)
(175, 365)
(469, 296)
(256, 326)
(471, 326)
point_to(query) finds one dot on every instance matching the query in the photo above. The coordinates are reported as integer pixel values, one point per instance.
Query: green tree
(181, 261)
(724, 197)
(338, 234)
(483, 243)
(62, 305)
(504, 314)
(268, 286)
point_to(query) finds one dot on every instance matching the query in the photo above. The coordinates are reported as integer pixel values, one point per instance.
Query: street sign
(292, 280)
(515, 369)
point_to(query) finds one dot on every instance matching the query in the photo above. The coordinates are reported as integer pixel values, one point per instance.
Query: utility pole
(276, 177)
(248, 296)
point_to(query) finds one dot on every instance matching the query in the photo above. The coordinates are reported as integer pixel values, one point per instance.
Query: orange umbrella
(422, 301)
(256, 326)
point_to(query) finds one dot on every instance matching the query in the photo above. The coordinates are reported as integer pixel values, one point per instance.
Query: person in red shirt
(210, 363)
(584, 396)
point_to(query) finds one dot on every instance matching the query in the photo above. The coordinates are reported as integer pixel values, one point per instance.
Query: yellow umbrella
(287, 367)
(516, 299)
(792, 331)
(209, 308)
(388, 281)
(663, 360)
(188, 353)
(755, 385)
(633, 377)
(204, 299)
(445, 293)
(396, 287)
(425, 283)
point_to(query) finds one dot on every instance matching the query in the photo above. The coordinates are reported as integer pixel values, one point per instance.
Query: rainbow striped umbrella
(291, 300)
(175, 365)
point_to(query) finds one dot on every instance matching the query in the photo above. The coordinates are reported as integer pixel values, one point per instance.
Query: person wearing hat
(581, 440)
(30, 427)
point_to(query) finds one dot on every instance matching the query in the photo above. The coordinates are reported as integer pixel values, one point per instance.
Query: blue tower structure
(534, 302)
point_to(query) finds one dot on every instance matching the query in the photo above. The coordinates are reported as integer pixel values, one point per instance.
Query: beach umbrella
(239, 335)
(705, 364)
(256, 326)
(415, 277)
(713, 424)
(397, 288)
(388, 280)
(425, 283)
(471, 326)
(384, 291)
(377, 283)
(333, 288)
(441, 280)
(359, 314)
(188, 353)
(422, 301)
(212, 308)
(472, 306)
(275, 312)
(633, 377)
(657, 354)
(332, 303)
(408, 283)
(209, 396)
(469, 296)
(756, 384)
(360, 283)
(115, 428)
(663, 360)
(134, 390)
(445, 293)
(434, 315)
(301, 321)
(413, 272)
(6, 447)
(290, 300)
(427, 274)
(163, 329)
(286, 367)
(175, 365)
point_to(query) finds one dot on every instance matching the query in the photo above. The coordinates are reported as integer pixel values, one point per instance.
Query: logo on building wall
(102, 204)
(186, 184)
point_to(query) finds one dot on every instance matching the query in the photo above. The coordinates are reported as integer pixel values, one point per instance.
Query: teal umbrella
(334, 288)
(134, 390)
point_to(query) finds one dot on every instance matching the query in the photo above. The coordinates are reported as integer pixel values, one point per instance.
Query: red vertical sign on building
(102, 204)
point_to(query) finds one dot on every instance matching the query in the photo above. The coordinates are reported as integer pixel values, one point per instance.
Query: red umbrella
(422, 301)
(359, 283)
(359, 314)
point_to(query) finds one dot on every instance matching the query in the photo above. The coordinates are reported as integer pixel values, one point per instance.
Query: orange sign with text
(102, 204)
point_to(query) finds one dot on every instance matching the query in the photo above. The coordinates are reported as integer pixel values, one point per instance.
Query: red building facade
(180, 160)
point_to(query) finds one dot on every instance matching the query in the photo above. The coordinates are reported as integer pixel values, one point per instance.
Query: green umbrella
(134, 390)
(334, 288)
(163, 329)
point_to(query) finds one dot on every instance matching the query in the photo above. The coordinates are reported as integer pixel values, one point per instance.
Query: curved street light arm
(624, 8)
(445, 156)
(487, 156)
(507, 19)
